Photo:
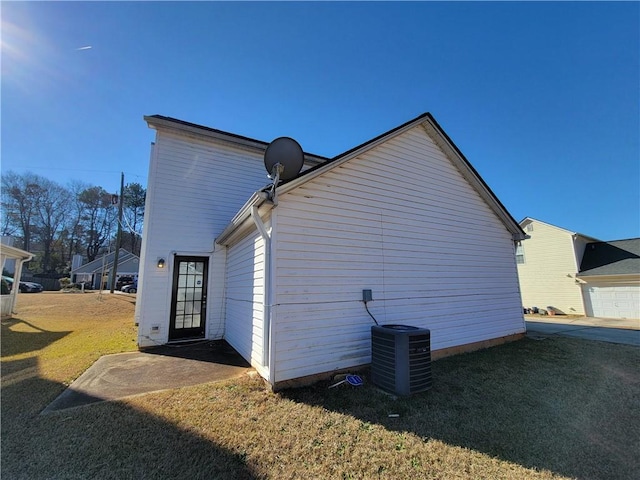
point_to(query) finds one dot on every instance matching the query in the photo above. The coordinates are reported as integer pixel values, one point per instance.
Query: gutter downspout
(266, 302)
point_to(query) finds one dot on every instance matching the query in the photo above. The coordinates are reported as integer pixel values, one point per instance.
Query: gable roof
(433, 130)
(525, 221)
(619, 257)
(97, 265)
(442, 140)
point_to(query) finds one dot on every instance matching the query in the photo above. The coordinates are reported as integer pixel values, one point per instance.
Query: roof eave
(13, 252)
(240, 224)
(159, 122)
(606, 276)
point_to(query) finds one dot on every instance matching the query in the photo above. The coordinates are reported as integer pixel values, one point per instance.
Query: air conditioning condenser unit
(401, 358)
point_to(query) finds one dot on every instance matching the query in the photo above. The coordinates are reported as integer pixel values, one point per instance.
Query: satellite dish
(283, 159)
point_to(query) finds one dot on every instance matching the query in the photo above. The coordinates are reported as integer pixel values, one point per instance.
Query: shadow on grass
(564, 405)
(106, 441)
(20, 336)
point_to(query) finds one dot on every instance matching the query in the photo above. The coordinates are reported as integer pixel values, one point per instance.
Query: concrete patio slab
(121, 375)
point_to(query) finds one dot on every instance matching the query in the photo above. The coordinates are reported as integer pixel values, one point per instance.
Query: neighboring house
(19, 256)
(548, 262)
(100, 269)
(611, 272)
(403, 214)
(577, 274)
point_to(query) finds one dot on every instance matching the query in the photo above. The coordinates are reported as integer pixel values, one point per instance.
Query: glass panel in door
(189, 295)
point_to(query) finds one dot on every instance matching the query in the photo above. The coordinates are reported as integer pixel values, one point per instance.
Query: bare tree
(56, 222)
(134, 198)
(73, 229)
(52, 209)
(19, 197)
(6, 224)
(97, 219)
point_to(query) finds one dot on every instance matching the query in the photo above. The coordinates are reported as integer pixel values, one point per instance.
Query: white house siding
(245, 299)
(547, 276)
(402, 221)
(195, 187)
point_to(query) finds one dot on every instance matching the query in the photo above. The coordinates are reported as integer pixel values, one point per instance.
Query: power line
(129, 227)
(27, 168)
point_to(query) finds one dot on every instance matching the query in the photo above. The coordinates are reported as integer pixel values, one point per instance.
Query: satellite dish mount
(283, 160)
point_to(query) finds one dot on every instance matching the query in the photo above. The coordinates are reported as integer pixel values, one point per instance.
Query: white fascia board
(13, 252)
(242, 223)
(621, 277)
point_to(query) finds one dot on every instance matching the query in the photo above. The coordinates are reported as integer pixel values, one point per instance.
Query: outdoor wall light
(161, 263)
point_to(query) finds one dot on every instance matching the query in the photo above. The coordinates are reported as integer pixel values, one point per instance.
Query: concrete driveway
(121, 375)
(625, 331)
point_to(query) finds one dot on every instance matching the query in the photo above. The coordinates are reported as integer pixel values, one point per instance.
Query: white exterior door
(613, 301)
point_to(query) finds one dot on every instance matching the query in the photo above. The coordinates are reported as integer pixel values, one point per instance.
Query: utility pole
(114, 270)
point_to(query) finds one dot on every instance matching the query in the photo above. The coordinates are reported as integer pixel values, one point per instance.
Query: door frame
(176, 335)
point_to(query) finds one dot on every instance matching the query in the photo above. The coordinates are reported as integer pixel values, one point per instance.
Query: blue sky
(543, 98)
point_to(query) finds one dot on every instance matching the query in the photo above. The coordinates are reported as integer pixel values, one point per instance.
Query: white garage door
(613, 301)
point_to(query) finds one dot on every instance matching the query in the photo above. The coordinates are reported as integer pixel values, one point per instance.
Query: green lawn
(532, 409)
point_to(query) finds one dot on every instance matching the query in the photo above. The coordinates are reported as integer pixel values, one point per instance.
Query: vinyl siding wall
(399, 220)
(245, 299)
(547, 278)
(195, 187)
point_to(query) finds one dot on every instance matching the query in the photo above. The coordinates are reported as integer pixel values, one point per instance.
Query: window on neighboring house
(530, 227)
(519, 254)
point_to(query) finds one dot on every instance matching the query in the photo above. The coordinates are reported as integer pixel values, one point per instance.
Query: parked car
(30, 287)
(25, 287)
(124, 280)
(132, 288)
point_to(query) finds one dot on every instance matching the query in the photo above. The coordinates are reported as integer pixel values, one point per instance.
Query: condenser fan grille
(401, 358)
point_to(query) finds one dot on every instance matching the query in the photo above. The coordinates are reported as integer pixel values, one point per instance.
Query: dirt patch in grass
(533, 409)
